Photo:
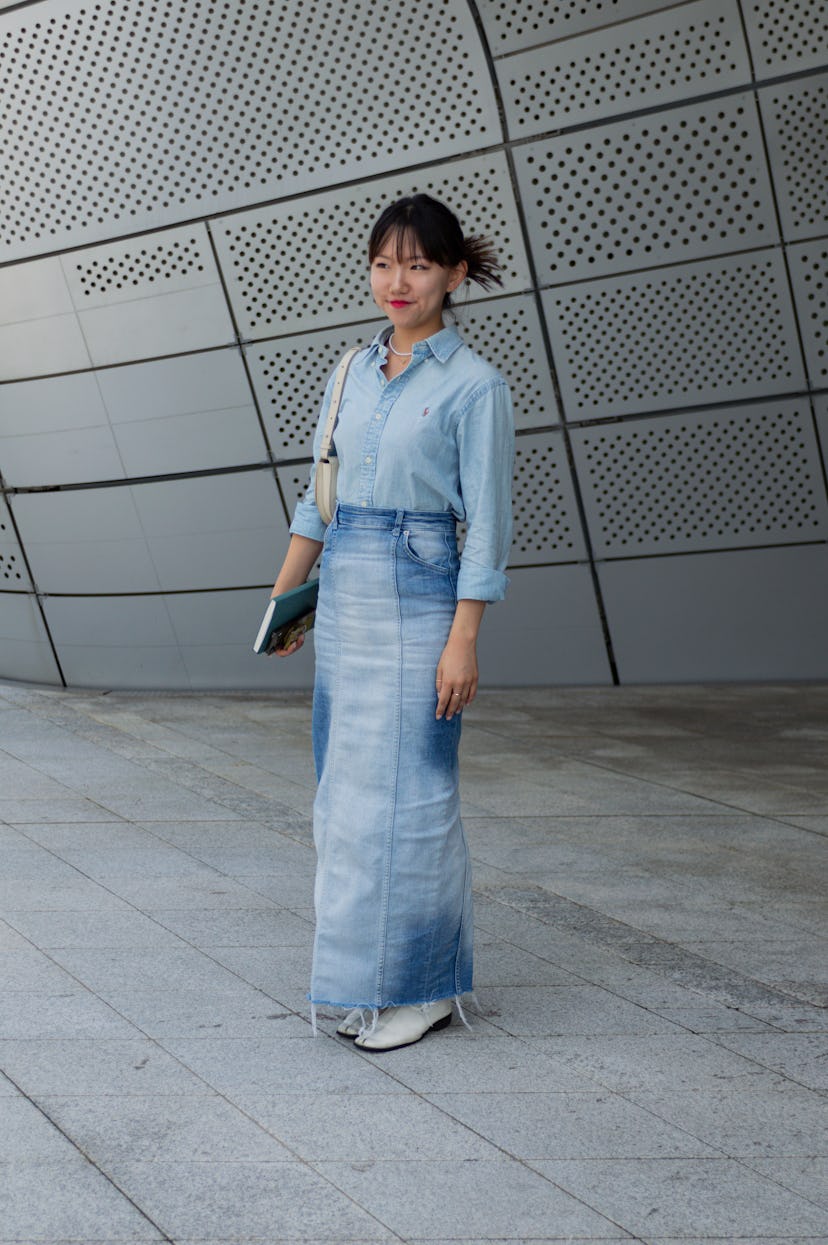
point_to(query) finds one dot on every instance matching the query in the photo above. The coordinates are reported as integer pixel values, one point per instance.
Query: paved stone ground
(650, 1059)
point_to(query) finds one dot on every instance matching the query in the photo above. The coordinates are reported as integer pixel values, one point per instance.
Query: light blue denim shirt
(440, 436)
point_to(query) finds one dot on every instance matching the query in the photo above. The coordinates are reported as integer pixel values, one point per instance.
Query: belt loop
(335, 517)
(398, 522)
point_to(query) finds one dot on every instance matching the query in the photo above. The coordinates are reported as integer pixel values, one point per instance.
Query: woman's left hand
(456, 676)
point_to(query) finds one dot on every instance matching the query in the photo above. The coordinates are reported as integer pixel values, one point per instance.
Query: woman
(424, 437)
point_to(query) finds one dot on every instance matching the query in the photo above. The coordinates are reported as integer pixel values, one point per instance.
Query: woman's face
(409, 289)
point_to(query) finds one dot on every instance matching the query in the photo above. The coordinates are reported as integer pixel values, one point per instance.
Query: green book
(287, 617)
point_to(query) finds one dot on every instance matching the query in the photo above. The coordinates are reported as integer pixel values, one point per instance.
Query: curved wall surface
(187, 188)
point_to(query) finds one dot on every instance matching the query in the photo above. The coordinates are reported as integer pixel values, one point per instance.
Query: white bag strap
(336, 398)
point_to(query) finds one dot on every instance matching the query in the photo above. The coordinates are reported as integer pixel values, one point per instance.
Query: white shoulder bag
(328, 464)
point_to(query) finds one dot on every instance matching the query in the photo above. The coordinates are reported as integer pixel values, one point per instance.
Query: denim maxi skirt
(393, 880)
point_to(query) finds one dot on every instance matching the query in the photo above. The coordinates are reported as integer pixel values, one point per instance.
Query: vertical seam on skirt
(330, 751)
(389, 829)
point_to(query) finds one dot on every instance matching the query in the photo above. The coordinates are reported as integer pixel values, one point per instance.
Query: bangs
(417, 226)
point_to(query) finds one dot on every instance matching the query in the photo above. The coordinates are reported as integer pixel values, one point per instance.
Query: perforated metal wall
(675, 186)
(651, 61)
(672, 337)
(796, 124)
(126, 116)
(715, 479)
(186, 194)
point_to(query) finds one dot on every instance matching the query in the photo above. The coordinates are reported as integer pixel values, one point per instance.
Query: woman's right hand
(290, 650)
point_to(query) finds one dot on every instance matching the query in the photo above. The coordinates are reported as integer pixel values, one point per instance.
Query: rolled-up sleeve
(307, 521)
(486, 444)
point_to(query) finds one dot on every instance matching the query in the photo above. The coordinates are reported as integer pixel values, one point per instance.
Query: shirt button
(364, 503)
(368, 458)
(378, 415)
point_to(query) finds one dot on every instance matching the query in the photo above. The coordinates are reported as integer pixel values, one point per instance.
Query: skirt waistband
(347, 515)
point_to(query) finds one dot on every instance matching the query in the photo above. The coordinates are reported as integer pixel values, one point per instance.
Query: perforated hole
(119, 111)
(297, 266)
(647, 192)
(545, 521)
(618, 70)
(787, 35)
(799, 122)
(810, 272)
(136, 267)
(704, 482)
(510, 25)
(675, 336)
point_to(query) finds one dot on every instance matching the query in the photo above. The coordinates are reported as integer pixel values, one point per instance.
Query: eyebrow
(409, 259)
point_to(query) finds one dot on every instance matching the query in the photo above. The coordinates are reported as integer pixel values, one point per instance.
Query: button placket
(373, 434)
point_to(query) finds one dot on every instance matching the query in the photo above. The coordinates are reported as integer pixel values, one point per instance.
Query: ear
(458, 276)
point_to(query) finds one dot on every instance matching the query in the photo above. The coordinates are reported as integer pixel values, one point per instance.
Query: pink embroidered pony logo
(425, 412)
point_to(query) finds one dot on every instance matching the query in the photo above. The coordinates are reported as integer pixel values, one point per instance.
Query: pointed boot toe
(402, 1026)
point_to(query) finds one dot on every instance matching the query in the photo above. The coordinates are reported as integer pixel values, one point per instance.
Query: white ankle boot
(401, 1026)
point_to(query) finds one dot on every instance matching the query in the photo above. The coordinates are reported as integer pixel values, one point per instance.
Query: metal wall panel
(158, 112)
(655, 60)
(679, 185)
(701, 332)
(124, 642)
(548, 630)
(56, 431)
(547, 527)
(13, 574)
(189, 413)
(216, 632)
(786, 35)
(293, 266)
(41, 347)
(33, 291)
(750, 614)
(146, 267)
(707, 480)
(221, 531)
(508, 332)
(809, 275)
(510, 26)
(796, 127)
(25, 651)
(85, 540)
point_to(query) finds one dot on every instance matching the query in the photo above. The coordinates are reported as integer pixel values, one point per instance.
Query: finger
(472, 692)
(456, 703)
(444, 699)
(292, 648)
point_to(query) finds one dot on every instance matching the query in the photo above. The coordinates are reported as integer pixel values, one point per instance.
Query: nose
(399, 278)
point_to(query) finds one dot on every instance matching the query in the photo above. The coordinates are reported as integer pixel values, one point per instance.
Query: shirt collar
(442, 345)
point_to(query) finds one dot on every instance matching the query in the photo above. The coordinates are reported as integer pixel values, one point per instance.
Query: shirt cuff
(480, 583)
(307, 521)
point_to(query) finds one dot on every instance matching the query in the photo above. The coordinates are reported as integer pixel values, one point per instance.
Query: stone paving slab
(648, 1051)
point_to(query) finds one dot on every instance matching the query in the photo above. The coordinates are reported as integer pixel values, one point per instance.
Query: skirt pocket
(431, 549)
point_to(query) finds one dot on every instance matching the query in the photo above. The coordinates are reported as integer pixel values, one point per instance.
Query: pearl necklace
(401, 354)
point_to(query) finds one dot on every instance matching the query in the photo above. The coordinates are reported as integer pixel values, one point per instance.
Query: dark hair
(431, 229)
